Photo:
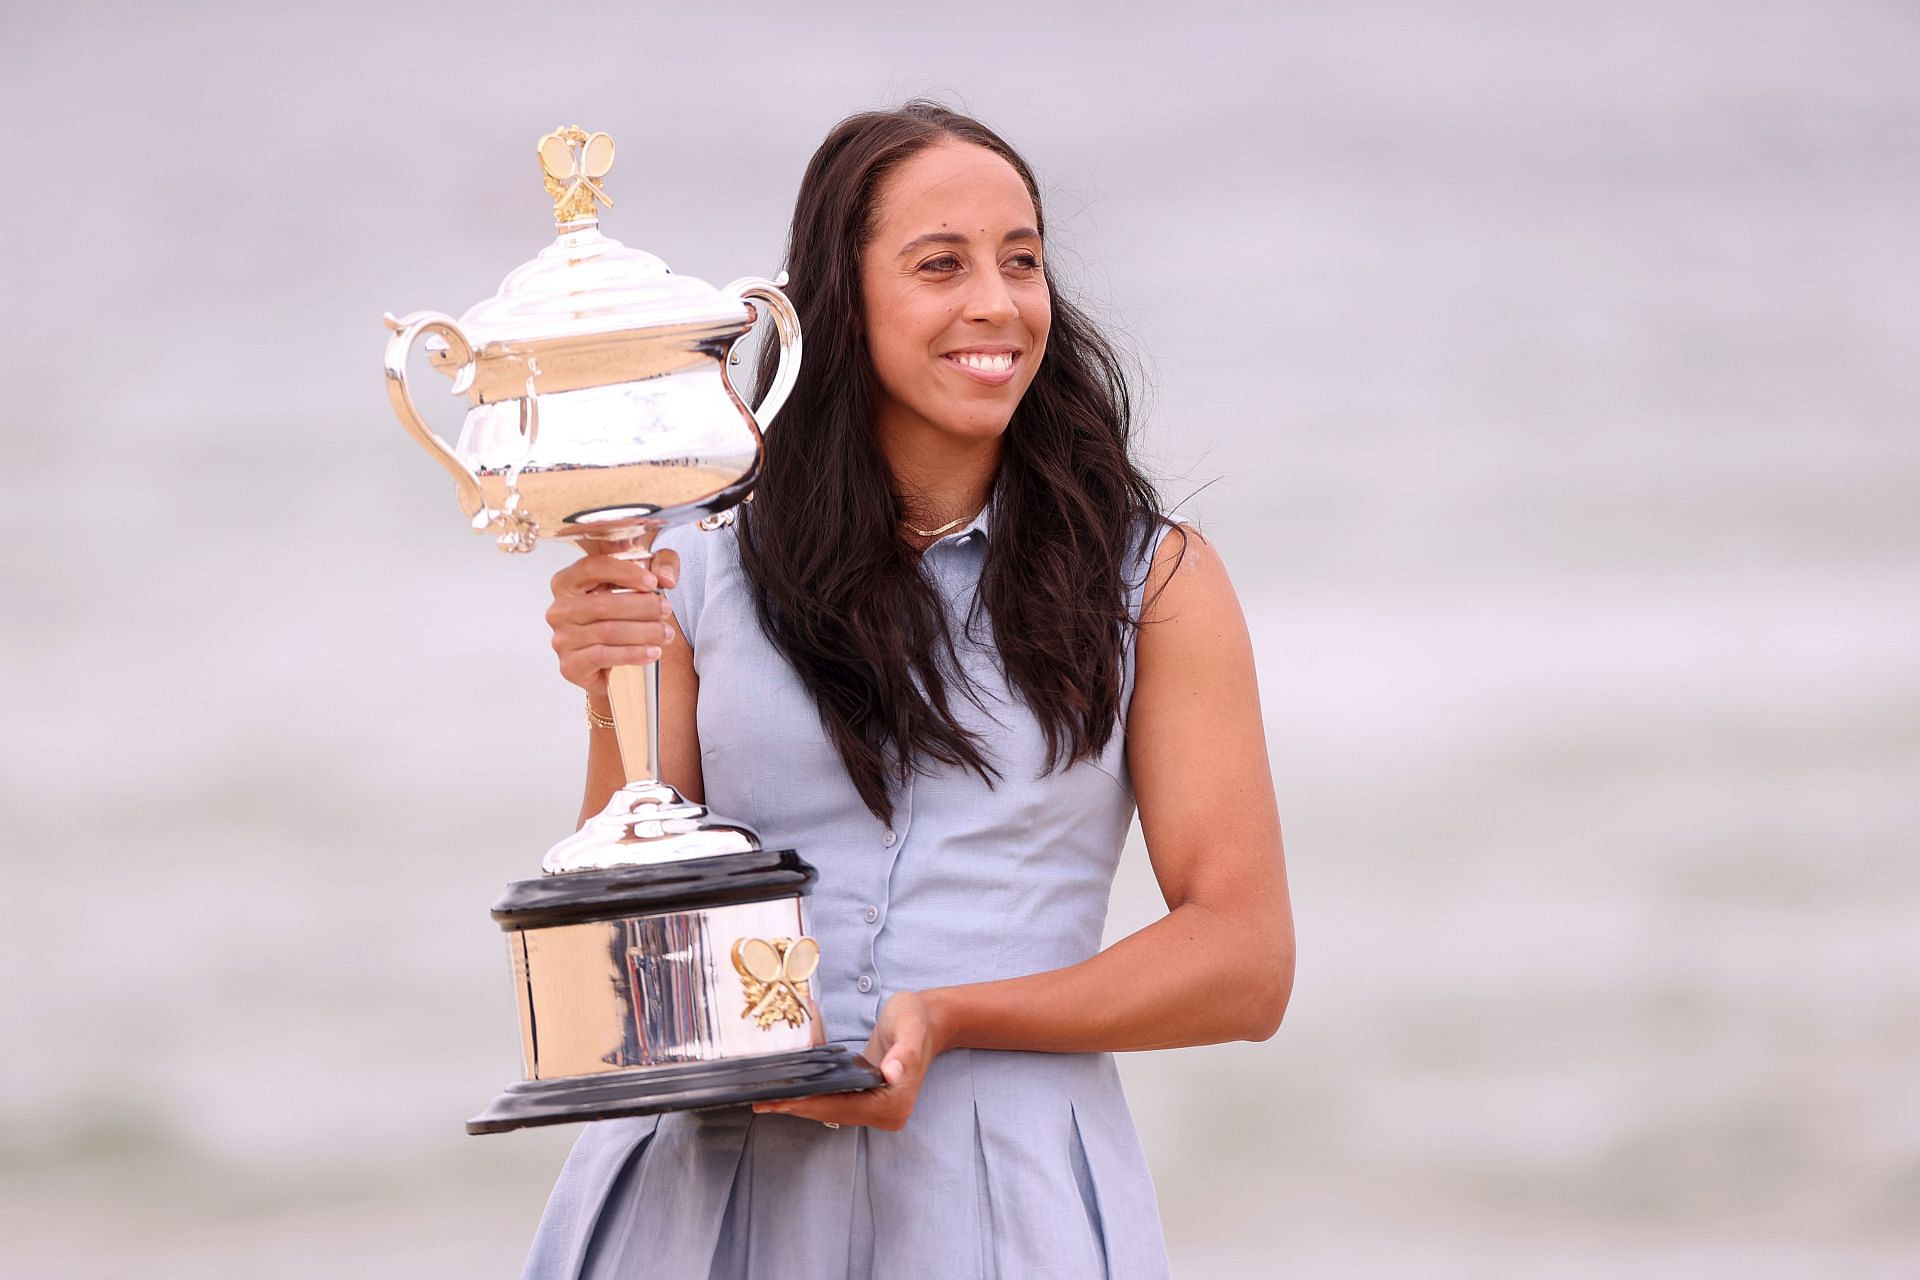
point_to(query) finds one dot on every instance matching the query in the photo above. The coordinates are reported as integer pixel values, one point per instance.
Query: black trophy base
(696, 1086)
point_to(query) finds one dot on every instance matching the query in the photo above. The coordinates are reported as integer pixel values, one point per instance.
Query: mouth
(993, 366)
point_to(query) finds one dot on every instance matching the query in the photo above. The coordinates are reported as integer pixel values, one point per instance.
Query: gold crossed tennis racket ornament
(773, 977)
(573, 162)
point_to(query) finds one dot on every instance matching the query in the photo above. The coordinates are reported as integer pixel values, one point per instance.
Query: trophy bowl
(662, 961)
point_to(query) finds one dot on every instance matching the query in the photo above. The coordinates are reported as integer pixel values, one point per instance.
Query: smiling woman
(954, 268)
(945, 652)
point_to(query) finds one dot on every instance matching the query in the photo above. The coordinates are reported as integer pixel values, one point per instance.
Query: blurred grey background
(1546, 373)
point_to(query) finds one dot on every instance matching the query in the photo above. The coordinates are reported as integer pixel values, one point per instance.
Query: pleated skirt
(1014, 1166)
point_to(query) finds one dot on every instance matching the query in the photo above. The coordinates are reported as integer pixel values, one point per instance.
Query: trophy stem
(635, 695)
(634, 692)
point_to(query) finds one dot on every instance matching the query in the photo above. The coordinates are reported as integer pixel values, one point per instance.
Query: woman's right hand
(609, 613)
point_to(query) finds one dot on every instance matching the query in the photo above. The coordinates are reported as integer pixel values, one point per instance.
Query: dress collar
(981, 525)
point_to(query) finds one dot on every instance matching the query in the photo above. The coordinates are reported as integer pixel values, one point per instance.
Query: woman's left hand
(902, 1046)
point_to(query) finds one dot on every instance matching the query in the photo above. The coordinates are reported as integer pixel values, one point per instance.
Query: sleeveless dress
(1013, 1166)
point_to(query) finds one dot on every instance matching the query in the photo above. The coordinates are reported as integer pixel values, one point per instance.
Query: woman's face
(956, 306)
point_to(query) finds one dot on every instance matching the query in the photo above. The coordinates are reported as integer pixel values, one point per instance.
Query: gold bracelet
(595, 719)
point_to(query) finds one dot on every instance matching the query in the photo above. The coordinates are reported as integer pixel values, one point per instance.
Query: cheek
(1042, 323)
(902, 331)
(891, 357)
(1037, 313)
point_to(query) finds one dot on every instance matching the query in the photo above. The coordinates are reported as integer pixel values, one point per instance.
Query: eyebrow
(954, 237)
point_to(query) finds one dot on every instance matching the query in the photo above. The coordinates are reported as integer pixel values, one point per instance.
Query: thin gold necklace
(934, 533)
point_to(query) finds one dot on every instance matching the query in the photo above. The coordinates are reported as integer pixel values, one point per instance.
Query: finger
(600, 572)
(583, 666)
(607, 606)
(666, 567)
(620, 634)
(586, 573)
(882, 1108)
(881, 1094)
(630, 575)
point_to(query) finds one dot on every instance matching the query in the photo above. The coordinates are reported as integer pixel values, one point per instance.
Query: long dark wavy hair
(843, 595)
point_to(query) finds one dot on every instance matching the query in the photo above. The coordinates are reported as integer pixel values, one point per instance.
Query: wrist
(599, 711)
(943, 1021)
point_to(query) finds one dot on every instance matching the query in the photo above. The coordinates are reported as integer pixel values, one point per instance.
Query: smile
(990, 367)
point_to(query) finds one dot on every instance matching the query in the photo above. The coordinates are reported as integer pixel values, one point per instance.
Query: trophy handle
(406, 331)
(786, 323)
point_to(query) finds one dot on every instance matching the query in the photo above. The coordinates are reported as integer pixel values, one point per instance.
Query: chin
(977, 417)
(975, 429)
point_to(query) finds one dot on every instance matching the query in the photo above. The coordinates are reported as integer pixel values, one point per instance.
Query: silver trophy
(662, 962)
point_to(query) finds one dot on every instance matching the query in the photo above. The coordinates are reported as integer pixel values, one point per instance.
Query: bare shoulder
(1188, 586)
(1193, 657)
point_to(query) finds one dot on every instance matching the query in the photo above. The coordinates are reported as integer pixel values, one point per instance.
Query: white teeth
(985, 363)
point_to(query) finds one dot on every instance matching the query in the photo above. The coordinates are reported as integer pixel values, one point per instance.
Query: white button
(873, 913)
(890, 837)
(865, 983)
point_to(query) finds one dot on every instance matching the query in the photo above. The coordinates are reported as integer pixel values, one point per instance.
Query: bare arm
(1219, 965)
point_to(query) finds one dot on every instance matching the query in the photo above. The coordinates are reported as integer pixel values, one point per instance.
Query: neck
(941, 476)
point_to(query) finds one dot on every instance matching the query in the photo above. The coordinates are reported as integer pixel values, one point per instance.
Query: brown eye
(945, 262)
(1024, 262)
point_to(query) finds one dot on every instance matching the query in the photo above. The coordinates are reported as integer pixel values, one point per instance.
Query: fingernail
(651, 653)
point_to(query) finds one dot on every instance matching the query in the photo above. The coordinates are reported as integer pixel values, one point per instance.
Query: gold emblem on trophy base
(773, 977)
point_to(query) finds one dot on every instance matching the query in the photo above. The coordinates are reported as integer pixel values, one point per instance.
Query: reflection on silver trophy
(663, 962)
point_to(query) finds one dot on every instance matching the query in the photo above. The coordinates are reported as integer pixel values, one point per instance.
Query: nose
(990, 301)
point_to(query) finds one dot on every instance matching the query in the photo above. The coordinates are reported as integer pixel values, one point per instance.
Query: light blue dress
(1014, 1166)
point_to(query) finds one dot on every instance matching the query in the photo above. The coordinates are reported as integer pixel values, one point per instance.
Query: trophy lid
(585, 282)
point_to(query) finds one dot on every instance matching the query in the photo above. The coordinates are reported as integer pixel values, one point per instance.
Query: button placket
(893, 839)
